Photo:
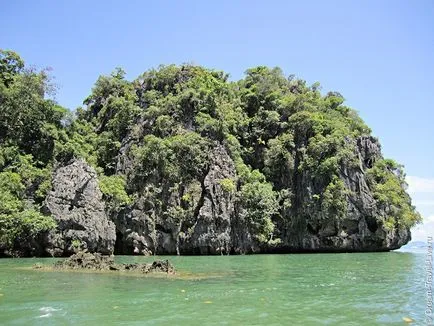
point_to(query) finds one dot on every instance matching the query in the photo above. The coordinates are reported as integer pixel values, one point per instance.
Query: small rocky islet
(84, 260)
(183, 161)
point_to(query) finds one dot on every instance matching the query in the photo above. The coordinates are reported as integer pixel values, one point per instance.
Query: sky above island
(378, 54)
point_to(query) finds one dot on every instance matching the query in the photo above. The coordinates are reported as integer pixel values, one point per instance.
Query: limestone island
(184, 161)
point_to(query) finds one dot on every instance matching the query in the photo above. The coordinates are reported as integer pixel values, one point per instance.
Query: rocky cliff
(214, 222)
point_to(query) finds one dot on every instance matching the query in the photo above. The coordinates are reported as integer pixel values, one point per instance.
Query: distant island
(184, 161)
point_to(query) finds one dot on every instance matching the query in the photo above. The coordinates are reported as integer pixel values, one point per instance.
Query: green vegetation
(387, 180)
(30, 125)
(76, 245)
(228, 185)
(113, 187)
(281, 134)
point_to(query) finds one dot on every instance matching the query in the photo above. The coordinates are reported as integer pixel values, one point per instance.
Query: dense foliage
(277, 130)
(30, 125)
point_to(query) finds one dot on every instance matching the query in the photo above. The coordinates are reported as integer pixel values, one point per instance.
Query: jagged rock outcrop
(193, 220)
(211, 232)
(84, 260)
(76, 204)
(314, 229)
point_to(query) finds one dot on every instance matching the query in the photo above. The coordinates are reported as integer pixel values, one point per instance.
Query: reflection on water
(314, 289)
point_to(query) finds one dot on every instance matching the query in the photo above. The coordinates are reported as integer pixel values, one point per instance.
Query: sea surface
(298, 289)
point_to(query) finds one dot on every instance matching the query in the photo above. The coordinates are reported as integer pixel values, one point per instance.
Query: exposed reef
(87, 261)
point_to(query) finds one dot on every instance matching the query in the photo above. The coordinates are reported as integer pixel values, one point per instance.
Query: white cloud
(429, 219)
(418, 184)
(422, 192)
(422, 231)
(418, 202)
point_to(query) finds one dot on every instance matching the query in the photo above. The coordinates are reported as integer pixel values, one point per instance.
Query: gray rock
(163, 221)
(362, 227)
(76, 203)
(84, 260)
(212, 231)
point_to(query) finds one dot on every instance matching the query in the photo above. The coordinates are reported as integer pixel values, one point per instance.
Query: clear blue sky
(378, 54)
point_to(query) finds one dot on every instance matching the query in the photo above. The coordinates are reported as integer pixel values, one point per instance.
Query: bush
(113, 187)
(228, 185)
(21, 225)
(259, 201)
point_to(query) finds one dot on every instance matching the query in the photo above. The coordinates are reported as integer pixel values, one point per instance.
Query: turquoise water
(316, 289)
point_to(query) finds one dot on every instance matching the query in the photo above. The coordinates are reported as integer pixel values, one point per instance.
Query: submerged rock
(96, 261)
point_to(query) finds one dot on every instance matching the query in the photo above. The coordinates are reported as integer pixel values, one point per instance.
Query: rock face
(149, 228)
(214, 224)
(76, 204)
(203, 217)
(314, 229)
(212, 230)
